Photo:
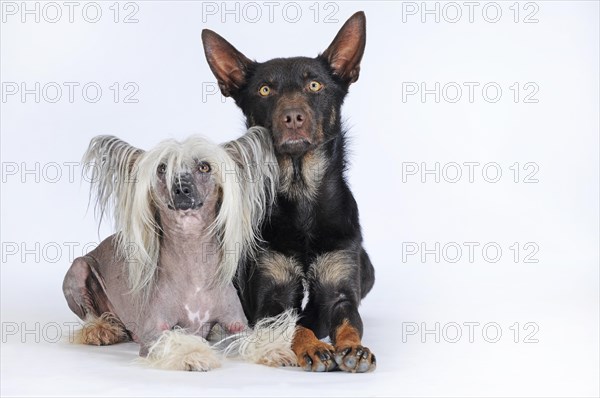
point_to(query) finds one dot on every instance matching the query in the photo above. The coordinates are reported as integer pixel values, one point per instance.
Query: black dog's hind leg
(86, 297)
(334, 295)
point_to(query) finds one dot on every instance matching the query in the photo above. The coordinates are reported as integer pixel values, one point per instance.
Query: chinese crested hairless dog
(185, 214)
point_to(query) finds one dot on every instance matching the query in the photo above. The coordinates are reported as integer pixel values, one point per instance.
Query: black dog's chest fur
(315, 212)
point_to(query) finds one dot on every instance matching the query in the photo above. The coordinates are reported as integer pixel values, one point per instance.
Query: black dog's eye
(315, 86)
(162, 168)
(264, 90)
(204, 167)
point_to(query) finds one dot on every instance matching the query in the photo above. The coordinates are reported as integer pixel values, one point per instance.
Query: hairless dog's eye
(204, 167)
(162, 168)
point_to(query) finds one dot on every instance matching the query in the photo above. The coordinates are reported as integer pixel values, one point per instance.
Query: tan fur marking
(332, 267)
(105, 330)
(280, 268)
(313, 168)
(346, 335)
(305, 342)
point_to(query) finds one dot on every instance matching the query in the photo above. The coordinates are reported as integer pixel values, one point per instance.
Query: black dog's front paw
(355, 359)
(318, 358)
(313, 355)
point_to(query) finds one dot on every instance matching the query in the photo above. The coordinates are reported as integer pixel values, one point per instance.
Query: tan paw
(313, 355)
(105, 330)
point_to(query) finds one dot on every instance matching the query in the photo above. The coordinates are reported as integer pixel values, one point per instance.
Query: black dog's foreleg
(335, 293)
(346, 333)
(275, 286)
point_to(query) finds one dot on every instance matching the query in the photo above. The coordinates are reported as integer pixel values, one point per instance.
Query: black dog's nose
(293, 118)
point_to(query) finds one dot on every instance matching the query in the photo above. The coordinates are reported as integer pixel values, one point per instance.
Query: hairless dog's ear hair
(112, 162)
(227, 64)
(346, 50)
(110, 151)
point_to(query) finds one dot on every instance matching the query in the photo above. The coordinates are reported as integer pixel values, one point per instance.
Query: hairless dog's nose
(293, 118)
(185, 193)
(183, 190)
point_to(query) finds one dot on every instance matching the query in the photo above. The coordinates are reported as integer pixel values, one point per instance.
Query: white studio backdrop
(474, 159)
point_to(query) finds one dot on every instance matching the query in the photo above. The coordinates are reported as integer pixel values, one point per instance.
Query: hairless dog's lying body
(164, 280)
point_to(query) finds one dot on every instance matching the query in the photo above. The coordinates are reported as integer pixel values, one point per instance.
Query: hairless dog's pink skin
(184, 294)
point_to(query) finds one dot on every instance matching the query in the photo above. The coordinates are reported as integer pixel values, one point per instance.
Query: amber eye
(315, 86)
(162, 168)
(264, 90)
(204, 167)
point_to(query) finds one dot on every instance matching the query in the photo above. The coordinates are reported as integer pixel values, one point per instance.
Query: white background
(162, 55)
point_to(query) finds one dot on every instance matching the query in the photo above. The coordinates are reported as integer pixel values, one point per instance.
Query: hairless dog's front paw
(199, 362)
(355, 359)
(177, 350)
(104, 330)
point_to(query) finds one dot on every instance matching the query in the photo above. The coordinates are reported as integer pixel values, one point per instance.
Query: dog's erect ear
(346, 50)
(227, 64)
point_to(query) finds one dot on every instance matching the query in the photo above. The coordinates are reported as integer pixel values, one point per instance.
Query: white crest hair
(178, 350)
(124, 180)
(269, 342)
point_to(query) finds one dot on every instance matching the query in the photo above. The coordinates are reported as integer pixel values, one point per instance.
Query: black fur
(315, 212)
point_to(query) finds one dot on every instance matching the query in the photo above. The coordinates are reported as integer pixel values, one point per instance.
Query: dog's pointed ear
(227, 64)
(346, 50)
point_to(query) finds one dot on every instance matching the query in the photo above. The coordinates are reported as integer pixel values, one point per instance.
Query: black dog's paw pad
(356, 359)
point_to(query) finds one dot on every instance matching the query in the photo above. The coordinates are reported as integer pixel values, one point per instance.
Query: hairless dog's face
(186, 189)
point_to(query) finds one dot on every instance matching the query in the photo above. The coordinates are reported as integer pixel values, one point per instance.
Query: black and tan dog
(313, 236)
